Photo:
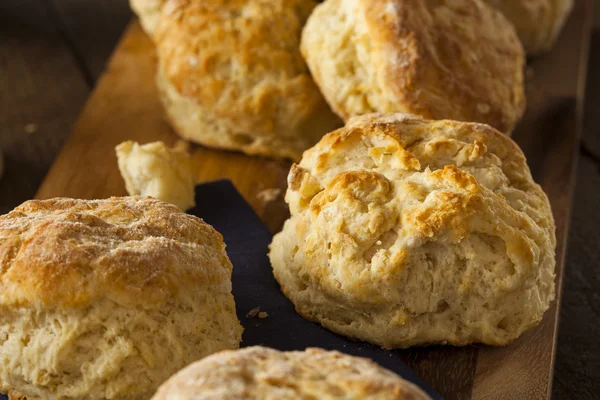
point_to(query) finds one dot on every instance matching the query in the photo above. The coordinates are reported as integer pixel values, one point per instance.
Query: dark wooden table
(52, 52)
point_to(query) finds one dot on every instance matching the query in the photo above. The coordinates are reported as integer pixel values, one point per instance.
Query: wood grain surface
(577, 365)
(51, 54)
(125, 106)
(42, 92)
(52, 51)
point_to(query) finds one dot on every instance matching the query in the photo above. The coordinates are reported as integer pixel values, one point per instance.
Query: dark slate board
(247, 239)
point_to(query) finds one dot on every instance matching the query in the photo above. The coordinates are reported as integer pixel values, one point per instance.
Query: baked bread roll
(538, 22)
(263, 373)
(155, 170)
(458, 60)
(148, 11)
(406, 232)
(106, 299)
(231, 76)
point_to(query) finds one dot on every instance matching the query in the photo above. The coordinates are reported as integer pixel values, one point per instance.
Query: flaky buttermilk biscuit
(231, 76)
(458, 60)
(267, 374)
(106, 299)
(405, 231)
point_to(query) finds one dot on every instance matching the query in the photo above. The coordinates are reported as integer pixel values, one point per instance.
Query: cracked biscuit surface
(268, 374)
(105, 299)
(459, 59)
(405, 231)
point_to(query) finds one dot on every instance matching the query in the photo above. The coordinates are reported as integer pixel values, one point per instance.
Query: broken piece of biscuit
(155, 170)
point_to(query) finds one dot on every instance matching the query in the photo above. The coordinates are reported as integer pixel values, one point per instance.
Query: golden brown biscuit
(267, 374)
(538, 22)
(458, 60)
(148, 11)
(105, 299)
(405, 231)
(231, 76)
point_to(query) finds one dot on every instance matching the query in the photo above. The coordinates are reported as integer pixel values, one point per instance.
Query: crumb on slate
(253, 313)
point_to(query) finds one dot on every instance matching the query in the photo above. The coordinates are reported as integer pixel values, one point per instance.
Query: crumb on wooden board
(269, 195)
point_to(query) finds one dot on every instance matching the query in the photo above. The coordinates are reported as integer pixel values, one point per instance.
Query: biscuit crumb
(30, 128)
(253, 313)
(268, 195)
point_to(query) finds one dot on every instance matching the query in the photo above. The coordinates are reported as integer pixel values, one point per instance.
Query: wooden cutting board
(125, 106)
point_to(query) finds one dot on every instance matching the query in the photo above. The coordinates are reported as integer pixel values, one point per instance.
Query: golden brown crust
(69, 253)
(105, 299)
(263, 373)
(231, 75)
(538, 22)
(405, 231)
(457, 60)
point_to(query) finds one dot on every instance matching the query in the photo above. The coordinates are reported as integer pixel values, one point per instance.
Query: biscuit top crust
(136, 252)
(387, 184)
(263, 373)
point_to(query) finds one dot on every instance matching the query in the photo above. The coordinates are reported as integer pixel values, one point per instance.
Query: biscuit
(405, 231)
(263, 373)
(155, 170)
(538, 22)
(231, 76)
(148, 11)
(458, 60)
(105, 299)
